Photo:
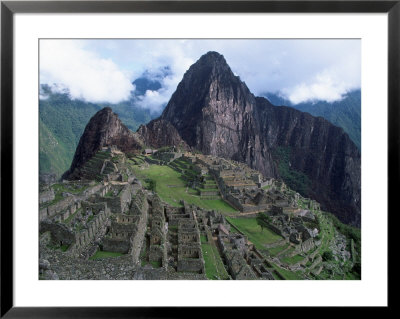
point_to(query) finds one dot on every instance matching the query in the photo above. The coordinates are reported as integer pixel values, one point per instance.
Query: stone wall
(275, 229)
(116, 245)
(56, 208)
(139, 203)
(120, 203)
(191, 265)
(190, 258)
(93, 190)
(234, 201)
(87, 235)
(43, 213)
(122, 230)
(137, 239)
(60, 233)
(94, 208)
(307, 245)
(158, 250)
(188, 237)
(168, 156)
(46, 196)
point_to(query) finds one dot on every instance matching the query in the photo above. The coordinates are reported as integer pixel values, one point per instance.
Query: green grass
(292, 260)
(60, 188)
(214, 267)
(287, 274)
(253, 231)
(166, 177)
(105, 254)
(208, 190)
(155, 264)
(327, 232)
(64, 248)
(276, 250)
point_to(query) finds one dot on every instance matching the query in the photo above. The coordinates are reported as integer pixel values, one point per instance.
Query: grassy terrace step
(208, 190)
(210, 187)
(91, 169)
(179, 165)
(105, 254)
(292, 260)
(276, 250)
(213, 263)
(102, 155)
(287, 274)
(93, 165)
(171, 187)
(253, 231)
(137, 161)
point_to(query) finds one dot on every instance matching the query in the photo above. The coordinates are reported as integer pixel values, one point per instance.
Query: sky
(299, 70)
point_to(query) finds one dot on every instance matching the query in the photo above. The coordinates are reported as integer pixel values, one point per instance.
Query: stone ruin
(291, 226)
(157, 234)
(239, 185)
(158, 241)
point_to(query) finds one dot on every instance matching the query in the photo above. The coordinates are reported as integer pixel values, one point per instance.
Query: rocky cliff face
(103, 129)
(159, 133)
(214, 112)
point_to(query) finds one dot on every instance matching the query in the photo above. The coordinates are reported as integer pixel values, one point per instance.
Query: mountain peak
(104, 129)
(214, 112)
(106, 109)
(212, 63)
(212, 57)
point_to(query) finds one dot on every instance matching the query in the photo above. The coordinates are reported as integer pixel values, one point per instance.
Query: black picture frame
(9, 8)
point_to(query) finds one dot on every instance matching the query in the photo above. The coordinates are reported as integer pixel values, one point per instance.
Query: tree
(327, 255)
(152, 185)
(263, 220)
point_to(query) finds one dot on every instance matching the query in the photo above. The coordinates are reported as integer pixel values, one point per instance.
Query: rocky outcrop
(103, 129)
(160, 133)
(214, 112)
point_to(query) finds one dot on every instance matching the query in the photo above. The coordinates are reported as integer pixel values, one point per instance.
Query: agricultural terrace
(171, 188)
(249, 227)
(213, 263)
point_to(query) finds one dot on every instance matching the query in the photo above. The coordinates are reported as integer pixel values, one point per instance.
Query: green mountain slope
(62, 121)
(53, 154)
(345, 113)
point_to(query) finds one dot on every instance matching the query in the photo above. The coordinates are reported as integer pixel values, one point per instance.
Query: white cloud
(324, 86)
(87, 75)
(154, 100)
(299, 70)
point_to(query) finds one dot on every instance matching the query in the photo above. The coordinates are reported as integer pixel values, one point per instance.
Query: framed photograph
(163, 154)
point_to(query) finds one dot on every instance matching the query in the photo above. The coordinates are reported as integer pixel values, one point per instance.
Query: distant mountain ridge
(214, 112)
(345, 113)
